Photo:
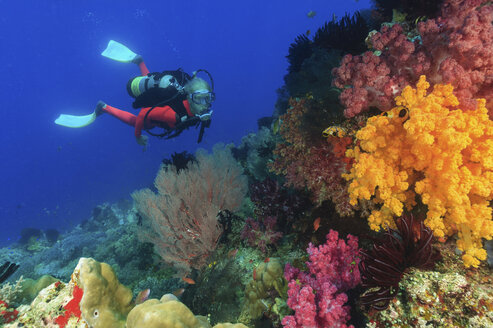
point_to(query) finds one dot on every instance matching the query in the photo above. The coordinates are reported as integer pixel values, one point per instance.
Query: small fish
(142, 296)
(188, 280)
(254, 273)
(334, 131)
(311, 14)
(308, 32)
(316, 224)
(179, 292)
(399, 113)
(232, 253)
(276, 126)
(267, 260)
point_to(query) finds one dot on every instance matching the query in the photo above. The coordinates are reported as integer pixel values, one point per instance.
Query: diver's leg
(122, 115)
(143, 68)
(139, 61)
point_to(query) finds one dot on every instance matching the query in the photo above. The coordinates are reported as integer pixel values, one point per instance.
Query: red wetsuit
(164, 114)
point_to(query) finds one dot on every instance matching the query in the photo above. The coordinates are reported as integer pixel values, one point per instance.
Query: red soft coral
(7, 314)
(72, 308)
(310, 164)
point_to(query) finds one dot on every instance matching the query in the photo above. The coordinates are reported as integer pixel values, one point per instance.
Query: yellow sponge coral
(426, 146)
(105, 302)
(168, 312)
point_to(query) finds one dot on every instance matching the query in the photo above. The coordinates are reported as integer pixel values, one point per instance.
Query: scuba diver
(172, 100)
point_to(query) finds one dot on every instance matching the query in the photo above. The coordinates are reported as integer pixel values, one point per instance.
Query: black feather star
(6, 270)
(383, 267)
(301, 49)
(348, 34)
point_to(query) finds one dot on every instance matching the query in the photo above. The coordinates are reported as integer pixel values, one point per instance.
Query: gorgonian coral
(437, 152)
(384, 265)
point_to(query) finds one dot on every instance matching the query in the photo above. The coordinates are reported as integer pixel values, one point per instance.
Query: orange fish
(232, 253)
(188, 280)
(254, 273)
(142, 296)
(267, 260)
(316, 224)
(179, 292)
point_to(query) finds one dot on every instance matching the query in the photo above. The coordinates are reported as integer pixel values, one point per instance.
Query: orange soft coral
(437, 151)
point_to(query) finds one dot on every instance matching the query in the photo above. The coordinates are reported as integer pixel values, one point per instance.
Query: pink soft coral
(318, 296)
(455, 48)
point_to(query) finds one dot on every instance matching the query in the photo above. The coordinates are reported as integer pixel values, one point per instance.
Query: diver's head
(200, 97)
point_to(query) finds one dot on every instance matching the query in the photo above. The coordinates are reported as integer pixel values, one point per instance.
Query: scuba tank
(157, 88)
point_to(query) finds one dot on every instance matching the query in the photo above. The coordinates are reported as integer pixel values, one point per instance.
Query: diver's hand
(142, 140)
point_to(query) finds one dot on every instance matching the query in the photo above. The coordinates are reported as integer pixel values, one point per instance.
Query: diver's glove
(142, 140)
(137, 59)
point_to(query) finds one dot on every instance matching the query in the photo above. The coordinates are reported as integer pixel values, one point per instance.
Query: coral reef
(346, 35)
(383, 267)
(272, 200)
(169, 312)
(267, 285)
(254, 152)
(454, 48)
(350, 138)
(309, 62)
(435, 299)
(308, 164)
(436, 151)
(413, 9)
(261, 233)
(95, 298)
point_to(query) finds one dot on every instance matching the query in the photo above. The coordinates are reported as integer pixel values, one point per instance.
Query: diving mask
(203, 97)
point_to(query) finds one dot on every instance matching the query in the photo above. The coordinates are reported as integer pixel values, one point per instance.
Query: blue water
(51, 176)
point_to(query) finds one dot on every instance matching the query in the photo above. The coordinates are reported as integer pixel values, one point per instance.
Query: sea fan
(385, 264)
